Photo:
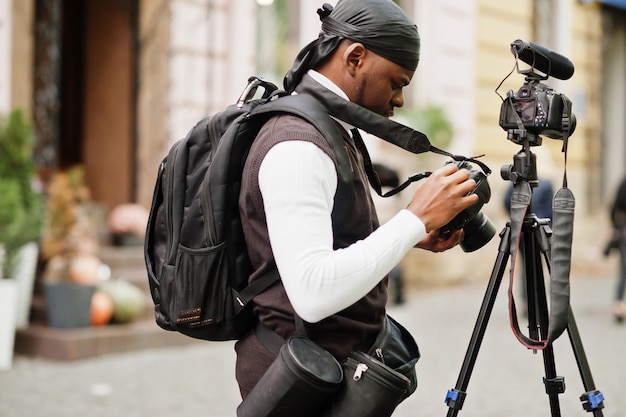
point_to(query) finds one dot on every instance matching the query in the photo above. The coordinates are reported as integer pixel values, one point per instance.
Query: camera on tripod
(536, 108)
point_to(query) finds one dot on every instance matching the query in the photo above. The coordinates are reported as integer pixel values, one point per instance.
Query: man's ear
(353, 57)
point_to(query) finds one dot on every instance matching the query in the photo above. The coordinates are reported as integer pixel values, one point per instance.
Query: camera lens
(477, 227)
(479, 230)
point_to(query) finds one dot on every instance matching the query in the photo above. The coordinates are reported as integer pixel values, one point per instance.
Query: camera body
(539, 109)
(477, 227)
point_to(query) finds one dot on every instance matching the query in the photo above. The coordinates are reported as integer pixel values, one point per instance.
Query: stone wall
(152, 98)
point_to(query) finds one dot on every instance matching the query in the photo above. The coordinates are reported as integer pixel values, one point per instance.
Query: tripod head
(524, 170)
(524, 167)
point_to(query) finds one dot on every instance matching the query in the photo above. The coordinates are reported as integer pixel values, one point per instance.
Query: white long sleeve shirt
(298, 183)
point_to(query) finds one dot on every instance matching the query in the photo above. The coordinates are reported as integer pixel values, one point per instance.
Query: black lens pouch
(300, 382)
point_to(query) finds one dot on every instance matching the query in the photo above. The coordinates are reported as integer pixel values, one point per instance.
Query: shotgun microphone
(543, 59)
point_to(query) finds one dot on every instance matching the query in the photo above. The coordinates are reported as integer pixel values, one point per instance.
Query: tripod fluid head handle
(524, 168)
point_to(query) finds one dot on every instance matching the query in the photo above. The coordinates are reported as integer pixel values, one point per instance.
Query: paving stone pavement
(198, 379)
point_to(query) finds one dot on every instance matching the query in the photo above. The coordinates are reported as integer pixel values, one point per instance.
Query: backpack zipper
(358, 372)
(169, 171)
(205, 199)
(379, 353)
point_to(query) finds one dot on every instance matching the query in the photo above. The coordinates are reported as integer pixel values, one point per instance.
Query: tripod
(535, 243)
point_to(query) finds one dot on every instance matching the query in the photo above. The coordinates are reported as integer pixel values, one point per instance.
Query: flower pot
(69, 305)
(8, 307)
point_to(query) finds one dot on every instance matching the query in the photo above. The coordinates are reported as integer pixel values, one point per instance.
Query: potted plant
(20, 223)
(69, 244)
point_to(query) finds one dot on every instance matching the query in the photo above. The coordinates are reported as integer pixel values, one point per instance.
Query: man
(618, 220)
(334, 277)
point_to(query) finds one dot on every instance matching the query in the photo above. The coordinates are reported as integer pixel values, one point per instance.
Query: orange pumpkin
(101, 308)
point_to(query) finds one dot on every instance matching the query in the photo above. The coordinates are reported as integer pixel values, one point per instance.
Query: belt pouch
(299, 382)
(370, 389)
(396, 348)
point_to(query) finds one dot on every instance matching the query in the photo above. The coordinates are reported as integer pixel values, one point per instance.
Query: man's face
(380, 84)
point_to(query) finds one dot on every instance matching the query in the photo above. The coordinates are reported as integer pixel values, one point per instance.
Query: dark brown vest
(354, 328)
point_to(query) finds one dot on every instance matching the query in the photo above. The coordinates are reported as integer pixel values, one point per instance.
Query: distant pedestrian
(618, 241)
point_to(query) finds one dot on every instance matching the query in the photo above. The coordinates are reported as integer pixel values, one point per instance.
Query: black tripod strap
(520, 201)
(562, 235)
(563, 230)
(563, 214)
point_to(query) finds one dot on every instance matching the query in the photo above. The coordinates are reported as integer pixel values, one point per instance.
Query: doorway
(97, 95)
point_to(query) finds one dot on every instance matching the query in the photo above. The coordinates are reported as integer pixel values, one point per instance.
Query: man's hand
(438, 241)
(442, 196)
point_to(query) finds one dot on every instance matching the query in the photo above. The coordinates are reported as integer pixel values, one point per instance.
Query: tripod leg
(592, 399)
(456, 396)
(538, 318)
(554, 384)
(528, 252)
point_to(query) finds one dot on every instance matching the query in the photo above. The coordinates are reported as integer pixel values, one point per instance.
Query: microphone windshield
(543, 59)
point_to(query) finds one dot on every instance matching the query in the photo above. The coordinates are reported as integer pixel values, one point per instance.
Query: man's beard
(361, 91)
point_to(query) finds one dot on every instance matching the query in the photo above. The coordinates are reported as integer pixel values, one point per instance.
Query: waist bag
(370, 389)
(376, 382)
(396, 348)
(306, 380)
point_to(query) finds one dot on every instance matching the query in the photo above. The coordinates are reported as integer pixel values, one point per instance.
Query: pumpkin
(128, 300)
(101, 308)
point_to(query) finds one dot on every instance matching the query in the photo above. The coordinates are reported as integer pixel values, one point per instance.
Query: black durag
(380, 25)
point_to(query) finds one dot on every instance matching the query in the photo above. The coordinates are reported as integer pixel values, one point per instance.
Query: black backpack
(195, 251)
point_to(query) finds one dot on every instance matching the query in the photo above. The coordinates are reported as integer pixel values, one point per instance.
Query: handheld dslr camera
(477, 227)
(537, 109)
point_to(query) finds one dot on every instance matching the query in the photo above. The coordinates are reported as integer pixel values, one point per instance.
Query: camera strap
(562, 234)
(560, 262)
(520, 201)
(372, 175)
(402, 136)
(563, 206)
(560, 254)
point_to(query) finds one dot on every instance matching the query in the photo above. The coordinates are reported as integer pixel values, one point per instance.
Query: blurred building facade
(110, 85)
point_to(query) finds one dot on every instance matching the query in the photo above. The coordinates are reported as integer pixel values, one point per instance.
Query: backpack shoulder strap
(306, 107)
